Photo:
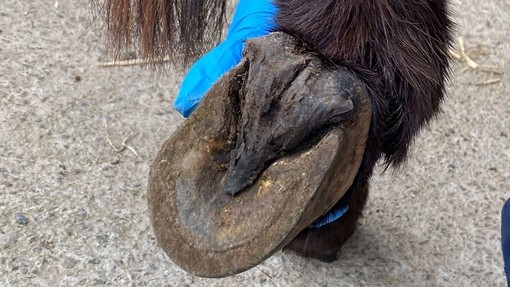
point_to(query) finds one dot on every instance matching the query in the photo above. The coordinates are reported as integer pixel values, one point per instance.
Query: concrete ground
(73, 198)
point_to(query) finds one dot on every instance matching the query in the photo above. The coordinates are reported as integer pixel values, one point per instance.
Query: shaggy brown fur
(399, 48)
(181, 30)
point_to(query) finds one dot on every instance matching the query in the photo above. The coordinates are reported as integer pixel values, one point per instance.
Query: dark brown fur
(399, 48)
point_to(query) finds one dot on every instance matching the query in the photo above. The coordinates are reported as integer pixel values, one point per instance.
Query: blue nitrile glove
(252, 18)
(505, 238)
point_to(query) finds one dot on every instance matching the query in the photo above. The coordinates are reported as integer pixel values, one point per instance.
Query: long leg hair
(181, 30)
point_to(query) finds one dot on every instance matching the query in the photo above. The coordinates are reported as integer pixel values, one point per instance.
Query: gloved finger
(204, 73)
(251, 19)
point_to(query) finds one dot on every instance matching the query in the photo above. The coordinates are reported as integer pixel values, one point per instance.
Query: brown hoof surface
(314, 119)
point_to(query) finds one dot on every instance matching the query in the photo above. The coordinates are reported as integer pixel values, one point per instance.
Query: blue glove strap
(335, 213)
(329, 217)
(252, 18)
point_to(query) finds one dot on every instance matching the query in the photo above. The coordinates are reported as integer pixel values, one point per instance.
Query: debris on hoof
(274, 144)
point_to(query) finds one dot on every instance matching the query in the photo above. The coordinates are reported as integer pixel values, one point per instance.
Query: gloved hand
(252, 18)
